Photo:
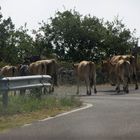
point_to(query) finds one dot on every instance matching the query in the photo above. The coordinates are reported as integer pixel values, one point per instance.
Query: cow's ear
(74, 65)
(104, 62)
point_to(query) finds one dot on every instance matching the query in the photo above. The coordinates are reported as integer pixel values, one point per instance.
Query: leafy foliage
(68, 36)
(75, 37)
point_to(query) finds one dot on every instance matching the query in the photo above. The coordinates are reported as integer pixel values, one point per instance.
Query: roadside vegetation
(23, 110)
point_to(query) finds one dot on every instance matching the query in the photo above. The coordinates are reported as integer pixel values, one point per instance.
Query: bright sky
(34, 11)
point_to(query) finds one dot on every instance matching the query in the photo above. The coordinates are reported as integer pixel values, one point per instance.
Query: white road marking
(117, 98)
(86, 105)
(26, 125)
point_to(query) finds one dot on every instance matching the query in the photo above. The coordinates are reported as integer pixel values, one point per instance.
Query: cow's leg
(111, 79)
(95, 91)
(118, 88)
(77, 86)
(118, 85)
(135, 78)
(88, 89)
(126, 89)
(136, 82)
(125, 85)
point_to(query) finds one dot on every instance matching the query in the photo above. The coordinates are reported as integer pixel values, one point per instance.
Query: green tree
(74, 37)
(118, 38)
(24, 43)
(69, 35)
(14, 44)
(43, 45)
(6, 40)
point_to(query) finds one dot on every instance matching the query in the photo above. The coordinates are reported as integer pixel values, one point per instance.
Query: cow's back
(37, 67)
(83, 69)
(123, 69)
(129, 58)
(115, 59)
(8, 71)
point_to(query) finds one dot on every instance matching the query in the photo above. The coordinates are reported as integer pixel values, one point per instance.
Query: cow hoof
(118, 91)
(88, 93)
(117, 88)
(136, 87)
(127, 91)
(112, 84)
(95, 91)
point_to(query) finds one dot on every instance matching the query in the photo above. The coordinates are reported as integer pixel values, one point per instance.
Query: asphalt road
(112, 117)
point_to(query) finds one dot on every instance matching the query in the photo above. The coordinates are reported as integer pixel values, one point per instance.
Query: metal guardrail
(22, 82)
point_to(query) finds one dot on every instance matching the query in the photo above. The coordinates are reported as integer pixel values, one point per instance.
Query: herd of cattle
(120, 69)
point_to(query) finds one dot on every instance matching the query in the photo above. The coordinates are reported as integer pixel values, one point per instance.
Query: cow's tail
(127, 70)
(13, 71)
(92, 73)
(43, 70)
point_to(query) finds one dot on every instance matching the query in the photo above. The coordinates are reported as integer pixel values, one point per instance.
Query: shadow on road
(108, 92)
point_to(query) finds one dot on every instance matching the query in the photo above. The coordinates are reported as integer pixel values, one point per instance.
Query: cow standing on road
(123, 72)
(86, 71)
(110, 71)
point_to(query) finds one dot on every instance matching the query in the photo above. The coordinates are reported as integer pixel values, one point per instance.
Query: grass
(23, 110)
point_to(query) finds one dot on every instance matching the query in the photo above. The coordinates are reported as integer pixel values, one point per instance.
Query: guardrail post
(5, 98)
(5, 94)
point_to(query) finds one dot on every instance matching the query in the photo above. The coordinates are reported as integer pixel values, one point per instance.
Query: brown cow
(48, 67)
(107, 67)
(37, 67)
(8, 71)
(123, 72)
(86, 71)
(52, 69)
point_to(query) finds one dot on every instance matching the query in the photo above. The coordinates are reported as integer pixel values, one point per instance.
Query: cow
(37, 68)
(109, 70)
(86, 71)
(23, 70)
(46, 67)
(52, 69)
(9, 71)
(123, 72)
